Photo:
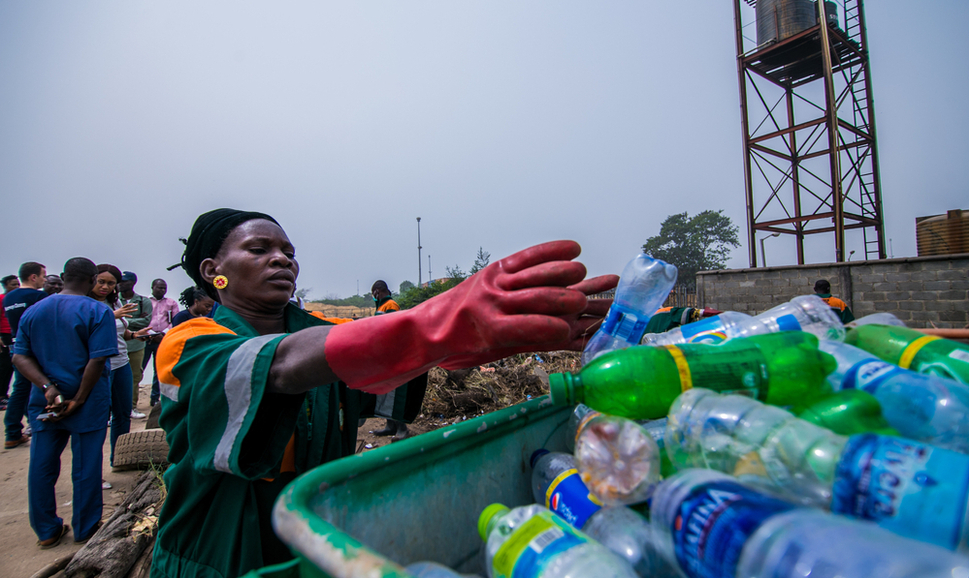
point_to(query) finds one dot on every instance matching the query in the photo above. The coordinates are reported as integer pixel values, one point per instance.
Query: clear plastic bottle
(912, 349)
(878, 319)
(640, 382)
(922, 407)
(905, 486)
(803, 313)
(712, 526)
(656, 428)
(617, 458)
(435, 570)
(644, 285)
(557, 484)
(630, 535)
(532, 541)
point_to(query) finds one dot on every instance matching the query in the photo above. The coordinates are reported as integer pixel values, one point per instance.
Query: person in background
(15, 303)
(119, 377)
(53, 284)
(261, 391)
(385, 304)
(196, 302)
(824, 290)
(163, 311)
(139, 319)
(63, 344)
(9, 283)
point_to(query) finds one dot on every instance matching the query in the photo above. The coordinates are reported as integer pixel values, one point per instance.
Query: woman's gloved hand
(534, 300)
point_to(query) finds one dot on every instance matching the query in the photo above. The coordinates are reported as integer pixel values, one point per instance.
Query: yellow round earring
(220, 282)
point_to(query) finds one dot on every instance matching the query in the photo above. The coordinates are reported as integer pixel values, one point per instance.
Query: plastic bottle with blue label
(922, 407)
(908, 487)
(618, 459)
(712, 526)
(532, 542)
(557, 484)
(644, 285)
(803, 313)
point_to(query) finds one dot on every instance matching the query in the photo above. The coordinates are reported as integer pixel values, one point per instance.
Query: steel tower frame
(809, 128)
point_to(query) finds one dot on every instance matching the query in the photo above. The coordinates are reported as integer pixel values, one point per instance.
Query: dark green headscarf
(208, 234)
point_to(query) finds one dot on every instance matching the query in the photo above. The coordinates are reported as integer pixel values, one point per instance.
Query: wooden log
(121, 542)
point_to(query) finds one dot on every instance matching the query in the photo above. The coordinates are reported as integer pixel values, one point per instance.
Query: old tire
(141, 450)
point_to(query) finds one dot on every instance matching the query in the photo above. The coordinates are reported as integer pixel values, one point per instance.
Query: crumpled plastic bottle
(643, 287)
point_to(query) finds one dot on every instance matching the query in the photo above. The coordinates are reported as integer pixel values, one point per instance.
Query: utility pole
(430, 276)
(419, 251)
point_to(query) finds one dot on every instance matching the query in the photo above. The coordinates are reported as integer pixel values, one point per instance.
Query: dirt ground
(452, 396)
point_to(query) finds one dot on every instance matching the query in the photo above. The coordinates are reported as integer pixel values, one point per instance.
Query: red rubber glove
(531, 301)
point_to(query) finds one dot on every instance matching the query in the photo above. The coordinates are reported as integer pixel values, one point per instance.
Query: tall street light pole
(763, 247)
(419, 251)
(430, 276)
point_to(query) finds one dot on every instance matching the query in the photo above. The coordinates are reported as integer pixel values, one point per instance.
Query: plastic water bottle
(911, 349)
(905, 486)
(712, 526)
(922, 407)
(643, 287)
(804, 313)
(877, 319)
(617, 458)
(532, 541)
(641, 382)
(630, 535)
(435, 570)
(655, 427)
(557, 485)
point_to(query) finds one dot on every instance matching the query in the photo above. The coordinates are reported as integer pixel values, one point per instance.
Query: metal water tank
(780, 19)
(832, 13)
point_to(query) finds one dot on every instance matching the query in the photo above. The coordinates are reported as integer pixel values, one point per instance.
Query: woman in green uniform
(262, 391)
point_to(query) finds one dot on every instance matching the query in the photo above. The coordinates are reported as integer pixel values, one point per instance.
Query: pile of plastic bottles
(780, 445)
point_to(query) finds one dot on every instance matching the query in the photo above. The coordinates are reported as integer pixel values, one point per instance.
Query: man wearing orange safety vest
(824, 290)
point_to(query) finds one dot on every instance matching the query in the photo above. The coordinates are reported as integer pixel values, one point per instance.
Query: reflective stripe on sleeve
(238, 390)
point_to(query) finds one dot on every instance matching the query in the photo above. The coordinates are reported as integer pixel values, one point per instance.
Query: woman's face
(202, 306)
(258, 261)
(104, 284)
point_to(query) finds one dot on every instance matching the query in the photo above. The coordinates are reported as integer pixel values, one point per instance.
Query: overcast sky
(501, 124)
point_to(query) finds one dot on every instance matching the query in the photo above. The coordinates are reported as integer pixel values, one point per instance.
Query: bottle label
(960, 355)
(569, 497)
(625, 325)
(906, 358)
(714, 522)
(910, 488)
(723, 370)
(710, 330)
(533, 545)
(867, 375)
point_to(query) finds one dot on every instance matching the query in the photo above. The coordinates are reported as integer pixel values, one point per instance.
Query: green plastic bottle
(911, 349)
(849, 412)
(784, 369)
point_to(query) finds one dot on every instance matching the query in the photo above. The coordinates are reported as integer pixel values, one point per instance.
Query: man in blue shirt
(62, 347)
(32, 275)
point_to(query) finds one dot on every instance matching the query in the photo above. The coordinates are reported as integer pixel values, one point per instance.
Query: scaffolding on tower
(810, 160)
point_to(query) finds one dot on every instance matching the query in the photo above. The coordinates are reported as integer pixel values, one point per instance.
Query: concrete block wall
(921, 291)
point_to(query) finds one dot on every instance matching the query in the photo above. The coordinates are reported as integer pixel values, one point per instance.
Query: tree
(699, 243)
(481, 261)
(404, 287)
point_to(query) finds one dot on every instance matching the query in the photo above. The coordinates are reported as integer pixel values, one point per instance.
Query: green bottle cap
(563, 389)
(485, 520)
